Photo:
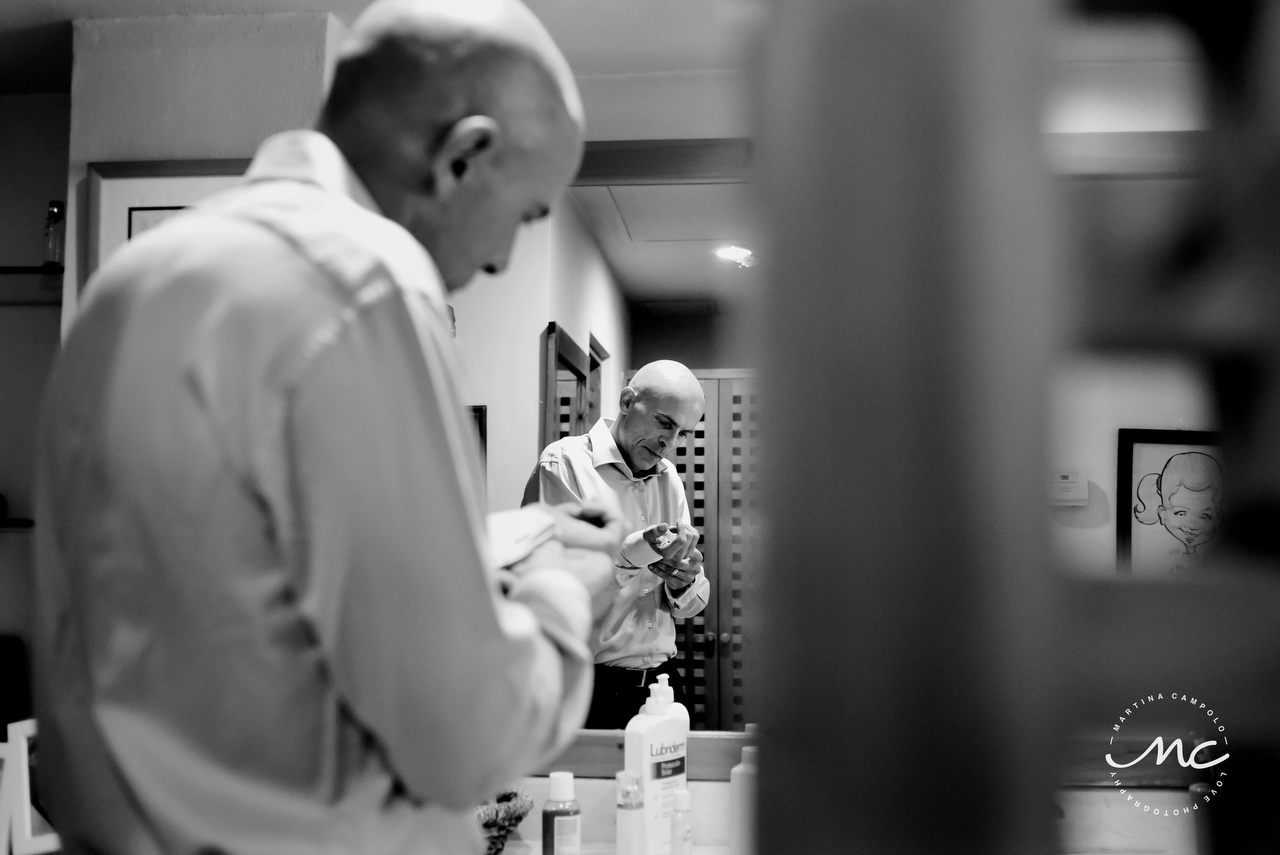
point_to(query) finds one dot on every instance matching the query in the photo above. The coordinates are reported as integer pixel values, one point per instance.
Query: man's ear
(625, 400)
(467, 142)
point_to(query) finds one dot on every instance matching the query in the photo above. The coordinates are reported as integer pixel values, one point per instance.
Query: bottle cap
(660, 696)
(629, 793)
(628, 783)
(561, 787)
(749, 755)
(683, 800)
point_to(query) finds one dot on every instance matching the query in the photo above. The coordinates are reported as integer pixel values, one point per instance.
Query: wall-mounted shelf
(43, 269)
(31, 285)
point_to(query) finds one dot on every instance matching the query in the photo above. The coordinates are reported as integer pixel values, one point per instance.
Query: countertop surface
(533, 847)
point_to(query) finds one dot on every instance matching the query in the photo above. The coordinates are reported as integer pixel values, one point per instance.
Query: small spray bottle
(682, 824)
(630, 815)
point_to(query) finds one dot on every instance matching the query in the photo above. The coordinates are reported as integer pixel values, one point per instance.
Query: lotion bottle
(655, 748)
(742, 804)
(561, 818)
(630, 826)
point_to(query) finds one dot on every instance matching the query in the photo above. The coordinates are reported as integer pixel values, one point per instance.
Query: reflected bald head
(657, 411)
(667, 378)
(462, 119)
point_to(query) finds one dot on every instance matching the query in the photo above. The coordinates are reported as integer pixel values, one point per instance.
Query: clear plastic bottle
(630, 839)
(561, 818)
(742, 804)
(55, 226)
(682, 824)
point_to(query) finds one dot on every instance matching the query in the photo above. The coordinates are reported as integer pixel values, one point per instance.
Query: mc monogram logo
(16, 834)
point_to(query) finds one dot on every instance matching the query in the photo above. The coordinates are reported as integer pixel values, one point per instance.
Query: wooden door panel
(697, 463)
(738, 461)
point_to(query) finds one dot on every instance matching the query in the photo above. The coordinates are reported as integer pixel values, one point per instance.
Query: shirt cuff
(515, 534)
(637, 552)
(680, 599)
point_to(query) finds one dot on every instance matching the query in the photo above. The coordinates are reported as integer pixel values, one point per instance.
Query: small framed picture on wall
(127, 198)
(1168, 500)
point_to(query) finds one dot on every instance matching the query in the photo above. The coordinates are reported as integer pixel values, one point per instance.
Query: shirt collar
(604, 451)
(312, 157)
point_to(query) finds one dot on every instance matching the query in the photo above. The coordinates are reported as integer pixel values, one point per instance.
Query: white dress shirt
(267, 621)
(639, 630)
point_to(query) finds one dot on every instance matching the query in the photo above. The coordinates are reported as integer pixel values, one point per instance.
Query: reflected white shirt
(639, 630)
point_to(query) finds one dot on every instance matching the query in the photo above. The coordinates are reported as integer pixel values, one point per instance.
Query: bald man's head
(462, 119)
(657, 411)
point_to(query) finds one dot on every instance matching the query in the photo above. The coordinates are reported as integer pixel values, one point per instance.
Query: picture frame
(1168, 497)
(125, 198)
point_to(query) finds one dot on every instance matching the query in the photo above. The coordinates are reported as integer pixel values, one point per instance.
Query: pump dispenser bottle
(656, 742)
(561, 818)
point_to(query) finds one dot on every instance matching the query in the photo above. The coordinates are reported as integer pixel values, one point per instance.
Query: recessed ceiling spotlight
(742, 257)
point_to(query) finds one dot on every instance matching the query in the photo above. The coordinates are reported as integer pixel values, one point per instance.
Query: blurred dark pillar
(911, 306)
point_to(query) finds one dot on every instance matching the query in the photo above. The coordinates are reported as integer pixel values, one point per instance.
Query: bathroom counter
(533, 847)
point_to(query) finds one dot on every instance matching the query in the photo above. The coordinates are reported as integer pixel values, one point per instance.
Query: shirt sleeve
(556, 483)
(637, 552)
(464, 688)
(690, 600)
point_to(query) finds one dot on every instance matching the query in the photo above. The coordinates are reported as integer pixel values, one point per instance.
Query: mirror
(659, 210)
(1126, 115)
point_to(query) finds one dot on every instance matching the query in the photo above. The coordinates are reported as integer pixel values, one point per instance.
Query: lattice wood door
(739, 445)
(697, 462)
(571, 404)
(718, 466)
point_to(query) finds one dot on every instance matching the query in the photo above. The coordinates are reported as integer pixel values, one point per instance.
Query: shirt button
(646, 590)
(642, 519)
(646, 659)
(650, 626)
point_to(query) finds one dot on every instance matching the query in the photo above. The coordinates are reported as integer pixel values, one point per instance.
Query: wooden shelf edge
(28, 270)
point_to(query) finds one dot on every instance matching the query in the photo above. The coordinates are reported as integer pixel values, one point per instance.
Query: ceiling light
(743, 257)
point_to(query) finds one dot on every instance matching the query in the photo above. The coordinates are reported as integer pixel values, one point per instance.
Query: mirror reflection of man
(269, 620)
(659, 572)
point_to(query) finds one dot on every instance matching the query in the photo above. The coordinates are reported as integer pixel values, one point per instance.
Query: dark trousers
(620, 692)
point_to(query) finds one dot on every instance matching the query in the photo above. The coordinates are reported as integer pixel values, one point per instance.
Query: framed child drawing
(1169, 500)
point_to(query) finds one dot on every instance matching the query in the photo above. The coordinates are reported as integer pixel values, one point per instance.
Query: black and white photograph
(639, 427)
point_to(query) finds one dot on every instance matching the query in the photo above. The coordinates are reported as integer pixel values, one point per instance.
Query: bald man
(269, 617)
(658, 575)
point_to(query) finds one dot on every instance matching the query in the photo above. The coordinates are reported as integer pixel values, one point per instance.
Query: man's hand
(672, 543)
(679, 574)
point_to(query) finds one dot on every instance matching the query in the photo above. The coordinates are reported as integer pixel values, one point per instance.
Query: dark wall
(687, 331)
